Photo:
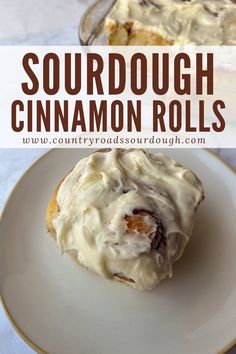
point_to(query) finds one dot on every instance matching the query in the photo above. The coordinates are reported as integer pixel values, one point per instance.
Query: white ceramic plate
(62, 308)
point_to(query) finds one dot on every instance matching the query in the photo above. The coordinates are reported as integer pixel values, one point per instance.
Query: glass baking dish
(91, 25)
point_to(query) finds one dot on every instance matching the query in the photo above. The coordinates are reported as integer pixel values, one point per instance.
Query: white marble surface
(25, 17)
(33, 22)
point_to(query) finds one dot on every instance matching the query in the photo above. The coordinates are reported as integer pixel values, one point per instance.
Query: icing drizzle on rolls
(201, 22)
(127, 213)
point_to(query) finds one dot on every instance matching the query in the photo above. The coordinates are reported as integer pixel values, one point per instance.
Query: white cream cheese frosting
(104, 190)
(200, 22)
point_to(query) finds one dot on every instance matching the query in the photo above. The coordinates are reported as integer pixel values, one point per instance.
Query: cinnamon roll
(125, 214)
(168, 22)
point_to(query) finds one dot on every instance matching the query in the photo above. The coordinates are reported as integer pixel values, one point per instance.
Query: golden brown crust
(51, 213)
(119, 36)
(125, 34)
(147, 38)
(52, 210)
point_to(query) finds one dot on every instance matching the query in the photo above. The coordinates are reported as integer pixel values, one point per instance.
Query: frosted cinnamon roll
(125, 214)
(167, 22)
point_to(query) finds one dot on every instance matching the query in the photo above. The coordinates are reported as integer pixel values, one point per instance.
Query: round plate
(62, 308)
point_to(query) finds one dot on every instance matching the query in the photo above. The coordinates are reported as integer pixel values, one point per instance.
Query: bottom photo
(127, 250)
